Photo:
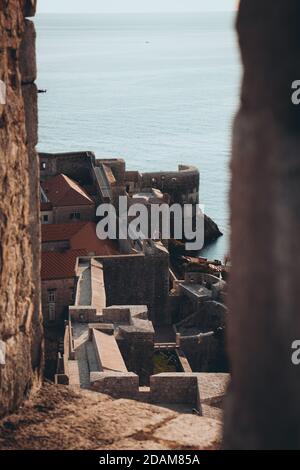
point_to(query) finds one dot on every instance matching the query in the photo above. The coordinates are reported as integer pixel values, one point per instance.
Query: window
(51, 295)
(43, 166)
(75, 216)
(51, 312)
(45, 219)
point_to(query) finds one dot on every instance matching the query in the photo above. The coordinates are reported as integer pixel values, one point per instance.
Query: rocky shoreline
(211, 231)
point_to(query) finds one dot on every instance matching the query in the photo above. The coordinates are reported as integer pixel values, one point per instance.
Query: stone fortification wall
(20, 313)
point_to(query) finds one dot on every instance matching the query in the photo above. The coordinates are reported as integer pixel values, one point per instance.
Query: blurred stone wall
(20, 313)
(263, 406)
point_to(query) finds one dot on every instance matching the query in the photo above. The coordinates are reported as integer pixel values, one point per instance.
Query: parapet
(181, 185)
(76, 165)
(131, 319)
(115, 384)
(194, 389)
(83, 314)
(117, 167)
(176, 388)
(184, 172)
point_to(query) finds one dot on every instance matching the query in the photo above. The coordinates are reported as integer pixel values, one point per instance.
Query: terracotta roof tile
(46, 206)
(60, 232)
(81, 236)
(63, 191)
(60, 265)
(83, 241)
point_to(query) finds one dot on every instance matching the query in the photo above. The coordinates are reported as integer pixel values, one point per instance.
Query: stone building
(140, 279)
(58, 283)
(110, 349)
(102, 179)
(76, 236)
(64, 201)
(200, 315)
(62, 244)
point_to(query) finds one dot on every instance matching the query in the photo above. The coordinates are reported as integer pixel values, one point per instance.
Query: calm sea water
(158, 90)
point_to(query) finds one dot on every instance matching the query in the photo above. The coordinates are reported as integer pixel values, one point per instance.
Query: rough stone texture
(139, 280)
(61, 418)
(175, 388)
(28, 67)
(263, 408)
(130, 444)
(213, 388)
(205, 392)
(212, 412)
(20, 321)
(115, 383)
(30, 101)
(136, 343)
(202, 433)
(28, 70)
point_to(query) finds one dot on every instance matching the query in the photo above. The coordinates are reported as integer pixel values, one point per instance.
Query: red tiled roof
(81, 236)
(60, 265)
(46, 206)
(83, 242)
(63, 191)
(87, 239)
(61, 232)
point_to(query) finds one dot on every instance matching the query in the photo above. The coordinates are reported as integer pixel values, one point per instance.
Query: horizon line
(132, 12)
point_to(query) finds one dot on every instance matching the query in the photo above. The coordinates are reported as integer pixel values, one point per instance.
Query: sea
(156, 89)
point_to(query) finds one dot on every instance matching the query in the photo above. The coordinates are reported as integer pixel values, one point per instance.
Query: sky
(131, 6)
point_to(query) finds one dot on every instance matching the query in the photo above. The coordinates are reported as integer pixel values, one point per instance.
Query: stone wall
(179, 388)
(76, 165)
(115, 384)
(62, 214)
(206, 356)
(83, 314)
(137, 349)
(208, 316)
(135, 338)
(181, 185)
(139, 280)
(117, 166)
(263, 407)
(20, 314)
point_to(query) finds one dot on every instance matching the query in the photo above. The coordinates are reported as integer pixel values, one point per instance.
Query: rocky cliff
(20, 317)
(211, 231)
